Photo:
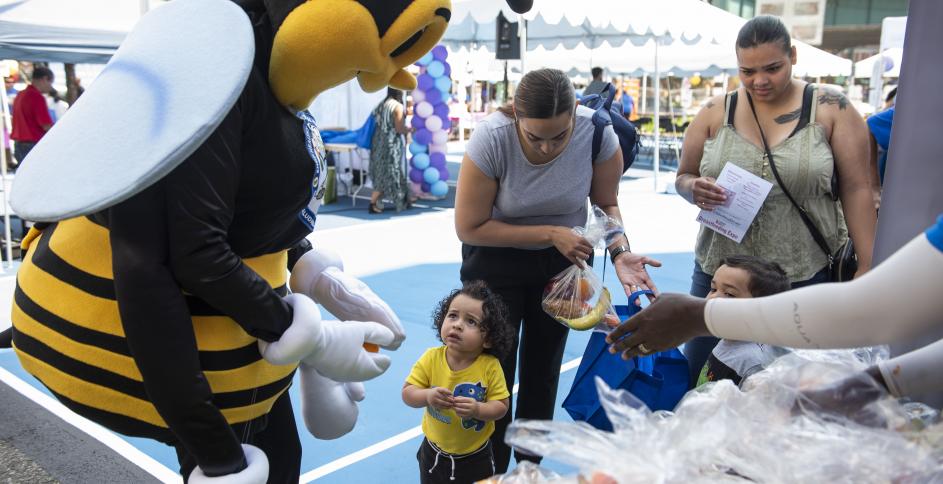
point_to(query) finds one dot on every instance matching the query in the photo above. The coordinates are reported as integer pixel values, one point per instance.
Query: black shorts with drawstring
(437, 466)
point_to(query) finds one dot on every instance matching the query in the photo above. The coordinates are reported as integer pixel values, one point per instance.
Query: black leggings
(278, 439)
(519, 277)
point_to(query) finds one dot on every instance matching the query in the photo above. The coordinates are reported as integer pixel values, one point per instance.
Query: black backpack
(606, 115)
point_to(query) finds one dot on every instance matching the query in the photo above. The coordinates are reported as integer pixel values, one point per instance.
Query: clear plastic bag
(576, 297)
(527, 472)
(765, 433)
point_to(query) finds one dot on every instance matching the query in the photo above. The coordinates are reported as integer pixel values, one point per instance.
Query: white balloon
(439, 148)
(418, 96)
(433, 123)
(424, 110)
(440, 137)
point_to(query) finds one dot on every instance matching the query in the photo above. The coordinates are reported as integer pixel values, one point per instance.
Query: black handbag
(843, 263)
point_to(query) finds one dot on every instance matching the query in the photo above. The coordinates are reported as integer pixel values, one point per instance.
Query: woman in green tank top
(813, 133)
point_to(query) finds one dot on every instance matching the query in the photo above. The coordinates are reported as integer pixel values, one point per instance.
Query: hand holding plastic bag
(576, 297)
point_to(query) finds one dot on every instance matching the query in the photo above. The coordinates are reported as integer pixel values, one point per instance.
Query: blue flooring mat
(412, 292)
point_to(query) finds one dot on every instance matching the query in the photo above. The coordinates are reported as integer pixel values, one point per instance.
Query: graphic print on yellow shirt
(483, 381)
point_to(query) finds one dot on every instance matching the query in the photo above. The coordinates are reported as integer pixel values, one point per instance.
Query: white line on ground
(94, 430)
(391, 442)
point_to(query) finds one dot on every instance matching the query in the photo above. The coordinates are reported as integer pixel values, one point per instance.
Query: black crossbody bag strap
(816, 234)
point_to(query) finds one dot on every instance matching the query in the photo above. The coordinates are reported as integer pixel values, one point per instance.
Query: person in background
(628, 104)
(31, 117)
(819, 146)
(527, 172)
(57, 105)
(879, 126)
(461, 386)
(387, 168)
(596, 85)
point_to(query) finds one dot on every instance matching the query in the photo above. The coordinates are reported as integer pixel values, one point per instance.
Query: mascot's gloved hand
(255, 473)
(319, 274)
(334, 348)
(329, 408)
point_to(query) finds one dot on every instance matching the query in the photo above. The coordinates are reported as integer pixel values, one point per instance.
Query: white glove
(255, 473)
(319, 274)
(334, 348)
(329, 408)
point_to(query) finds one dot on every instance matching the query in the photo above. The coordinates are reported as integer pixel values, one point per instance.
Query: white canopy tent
(678, 35)
(87, 31)
(890, 59)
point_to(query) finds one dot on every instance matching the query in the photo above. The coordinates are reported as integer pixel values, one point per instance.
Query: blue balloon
(440, 53)
(425, 60)
(441, 110)
(444, 84)
(416, 148)
(421, 161)
(435, 69)
(424, 82)
(425, 187)
(448, 69)
(439, 188)
(433, 96)
(430, 175)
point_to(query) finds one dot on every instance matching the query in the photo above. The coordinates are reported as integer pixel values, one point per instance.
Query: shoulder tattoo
(709, 105)
(829, 96)
(788, 117)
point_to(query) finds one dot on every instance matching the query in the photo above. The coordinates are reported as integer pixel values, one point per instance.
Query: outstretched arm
(842, 315)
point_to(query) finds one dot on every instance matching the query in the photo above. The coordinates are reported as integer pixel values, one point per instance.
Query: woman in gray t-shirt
(523, 185)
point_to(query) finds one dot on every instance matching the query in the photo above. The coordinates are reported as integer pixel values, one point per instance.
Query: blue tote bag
(659, 379)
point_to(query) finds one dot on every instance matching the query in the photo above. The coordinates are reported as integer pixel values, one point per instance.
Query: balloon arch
(427, 169)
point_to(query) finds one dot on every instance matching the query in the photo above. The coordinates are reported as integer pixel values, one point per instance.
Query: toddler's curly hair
(494, 322)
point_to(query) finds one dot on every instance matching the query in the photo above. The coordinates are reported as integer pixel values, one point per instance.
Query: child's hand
(466, 407)
(439, 397)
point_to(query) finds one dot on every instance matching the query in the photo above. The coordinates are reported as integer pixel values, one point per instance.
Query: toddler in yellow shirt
(461, 385)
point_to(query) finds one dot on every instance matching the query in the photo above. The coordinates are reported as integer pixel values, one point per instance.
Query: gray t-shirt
(550, 194)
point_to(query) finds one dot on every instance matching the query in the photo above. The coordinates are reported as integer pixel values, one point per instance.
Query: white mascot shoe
(255, 473)
(319, 274)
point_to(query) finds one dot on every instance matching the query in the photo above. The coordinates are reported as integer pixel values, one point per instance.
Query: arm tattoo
(834, 97)
(785, 118)
(709, 105)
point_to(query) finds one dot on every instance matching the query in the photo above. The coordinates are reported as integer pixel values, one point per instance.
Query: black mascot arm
(159, 332)
(201, 199)
(298, 250)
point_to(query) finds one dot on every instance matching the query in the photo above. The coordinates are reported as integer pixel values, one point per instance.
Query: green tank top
(805, 164)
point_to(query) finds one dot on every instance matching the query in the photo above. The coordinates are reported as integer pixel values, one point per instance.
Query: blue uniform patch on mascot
(315, 147)
(476, 392)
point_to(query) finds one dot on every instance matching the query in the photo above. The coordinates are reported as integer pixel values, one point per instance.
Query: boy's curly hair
(494, 322)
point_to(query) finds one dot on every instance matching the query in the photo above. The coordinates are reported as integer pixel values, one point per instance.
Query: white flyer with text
(745, 195)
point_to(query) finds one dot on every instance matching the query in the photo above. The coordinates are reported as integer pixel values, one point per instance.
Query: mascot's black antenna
(521, 6)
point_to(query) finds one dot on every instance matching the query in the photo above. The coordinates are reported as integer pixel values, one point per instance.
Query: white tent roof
(585, 37)
(552, 23)
(87, 31)
(894, 57)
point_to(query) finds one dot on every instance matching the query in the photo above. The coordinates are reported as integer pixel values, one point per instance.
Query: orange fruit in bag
(586, 289)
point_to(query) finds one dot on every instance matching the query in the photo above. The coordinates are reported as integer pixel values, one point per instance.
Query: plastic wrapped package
(576, 297)
(527, 472)
(778, 429)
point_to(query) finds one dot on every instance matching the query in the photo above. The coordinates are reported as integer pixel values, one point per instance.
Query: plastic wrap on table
(527, 472)
(576, 297)
(765, 432)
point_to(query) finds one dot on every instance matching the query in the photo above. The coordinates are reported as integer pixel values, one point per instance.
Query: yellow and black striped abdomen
(68, 334)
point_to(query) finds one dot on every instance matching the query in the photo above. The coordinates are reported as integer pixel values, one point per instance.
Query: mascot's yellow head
(322, 43)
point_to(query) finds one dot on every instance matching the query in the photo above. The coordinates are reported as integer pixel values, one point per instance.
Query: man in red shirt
(31, 117)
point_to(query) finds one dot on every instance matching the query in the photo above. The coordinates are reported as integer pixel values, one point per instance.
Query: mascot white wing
(172, 94)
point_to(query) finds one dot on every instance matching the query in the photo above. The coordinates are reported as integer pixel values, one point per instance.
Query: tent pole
(656, 123)
(522, 29)
(7, 236)
(644, 96)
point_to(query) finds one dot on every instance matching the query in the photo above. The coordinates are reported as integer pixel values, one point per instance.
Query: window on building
(862, 12)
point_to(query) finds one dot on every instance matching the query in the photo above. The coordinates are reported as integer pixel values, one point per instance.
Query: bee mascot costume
(171, 200)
